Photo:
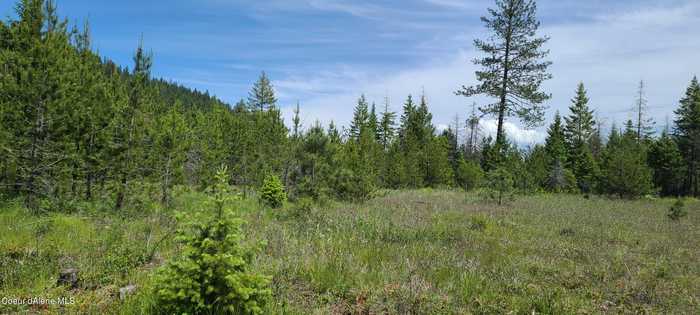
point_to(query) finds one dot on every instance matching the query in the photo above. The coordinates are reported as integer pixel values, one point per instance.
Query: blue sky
(325, 53)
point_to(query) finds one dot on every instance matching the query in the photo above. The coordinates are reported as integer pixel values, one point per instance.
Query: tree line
(75, 126)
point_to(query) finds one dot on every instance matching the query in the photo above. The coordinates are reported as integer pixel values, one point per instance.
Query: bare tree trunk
(120, 195)
(89, 172)
(165, 199)
(500, 136)
(88, 185)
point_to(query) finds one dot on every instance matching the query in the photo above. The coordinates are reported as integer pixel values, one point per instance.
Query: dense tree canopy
(74, 125)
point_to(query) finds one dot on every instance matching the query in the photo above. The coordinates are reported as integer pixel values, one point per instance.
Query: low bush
(677, 211)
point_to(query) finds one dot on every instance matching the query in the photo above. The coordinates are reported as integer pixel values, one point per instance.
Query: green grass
(408, 252)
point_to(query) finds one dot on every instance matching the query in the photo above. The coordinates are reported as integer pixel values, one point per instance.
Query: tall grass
(407, 252)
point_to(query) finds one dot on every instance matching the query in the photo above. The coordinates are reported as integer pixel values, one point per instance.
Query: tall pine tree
(687, 134)
(578, 131)
(262, 95)
(513, 69)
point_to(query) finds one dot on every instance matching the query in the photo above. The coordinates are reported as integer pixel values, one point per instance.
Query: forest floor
(406, 252)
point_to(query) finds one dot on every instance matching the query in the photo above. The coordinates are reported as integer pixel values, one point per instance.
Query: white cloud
(609, 53)
(523, 137)
(439, 80)
(452, 4)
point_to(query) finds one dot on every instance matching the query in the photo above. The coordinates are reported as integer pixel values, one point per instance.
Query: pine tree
(555, 144)
(585, 168)
(624, 168)
(360, 119)
(209, 146)
(262, 95)
(595, 143)
(580, 123)
(130, 125)
(36, 67)
(490, 157)
(387, 127)
(171, 141)
(668, 166)
(333, 133)
(630, 133)
(687, 135)
(500, 185)
(439, 171)
(614, 139)
(411, 143)
(272, 148)
(559, 177)
(272, 192)
(396, 176)
(269, 154)
(315, 158)
(453, 152)
(373, 123)
(578, 131)
(93, 105)
(424, 129)
(537, 165)
(214, 274)
(406, 120)
(241, 107)
(469, 174)
(512, 70)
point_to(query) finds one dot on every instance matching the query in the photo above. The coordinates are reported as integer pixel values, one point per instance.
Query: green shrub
(499, 185)
(309, 187)
(469, 174)
(118, 260)
(479, 222)
(677, 211)
(624, 171)
(272, 192)
(212, 274)
(352, 186)
(302, 209)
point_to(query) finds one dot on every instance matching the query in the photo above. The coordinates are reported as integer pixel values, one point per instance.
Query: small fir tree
(272, 192)
(500, 185)
(212, 273)
(262, 95)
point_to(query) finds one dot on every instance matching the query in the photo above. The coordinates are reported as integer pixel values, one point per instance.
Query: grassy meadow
(404, 252)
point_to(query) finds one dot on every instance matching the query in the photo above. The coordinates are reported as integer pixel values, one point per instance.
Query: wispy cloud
(609, 52)
(363, 10)
(453, 4)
